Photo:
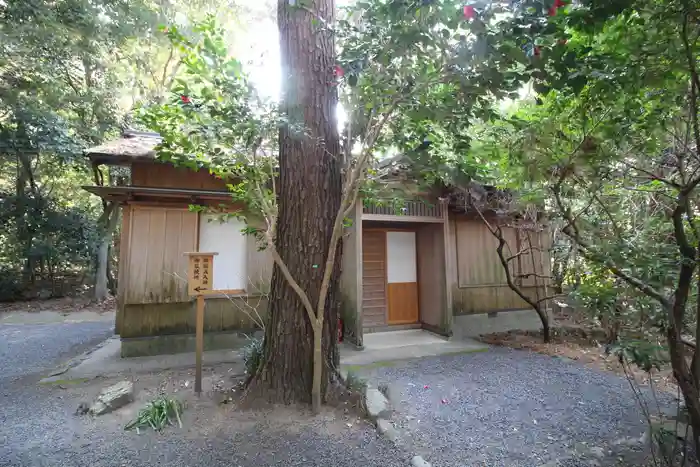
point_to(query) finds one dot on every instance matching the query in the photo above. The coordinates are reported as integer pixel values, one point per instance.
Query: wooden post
(200, 281)
(200, 345)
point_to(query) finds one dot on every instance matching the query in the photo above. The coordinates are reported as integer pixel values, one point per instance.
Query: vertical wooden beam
(200, 344)
(358, 271)
(124, 266)
(449, 266)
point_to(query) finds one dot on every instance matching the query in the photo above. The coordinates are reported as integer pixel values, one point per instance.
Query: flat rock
(377, 404)
(418, 461)
(113, 397)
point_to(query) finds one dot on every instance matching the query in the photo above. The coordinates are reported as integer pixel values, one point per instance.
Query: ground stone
(597, 451)
(377, 404)
(418, 461)
(113, 397)
(387, 429)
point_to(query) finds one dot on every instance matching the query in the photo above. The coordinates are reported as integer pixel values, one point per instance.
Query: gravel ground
(512, 408)
(29, 348)
(38, 426)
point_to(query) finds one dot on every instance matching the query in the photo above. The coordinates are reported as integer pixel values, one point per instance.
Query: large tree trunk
(309, 197)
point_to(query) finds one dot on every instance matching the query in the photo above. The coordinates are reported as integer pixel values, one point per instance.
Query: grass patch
(370, 366)
(158, 414)
(56, 382)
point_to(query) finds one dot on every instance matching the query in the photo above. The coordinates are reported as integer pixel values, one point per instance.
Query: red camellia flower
(559, 3)
(553, 11)
(338, 71)
(185, 100)
(469, 12)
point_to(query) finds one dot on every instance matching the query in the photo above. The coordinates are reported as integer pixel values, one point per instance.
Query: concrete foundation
(404, 345)
(183, 343)
(501, 321)
(383, 347)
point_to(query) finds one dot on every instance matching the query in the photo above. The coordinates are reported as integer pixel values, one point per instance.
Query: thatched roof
(133, 145)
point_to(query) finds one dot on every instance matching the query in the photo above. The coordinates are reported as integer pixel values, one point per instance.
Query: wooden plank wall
(480, 285)
(259, 267)
(221, 314)
(535, 263)
(431, 274)
(487, 299)
(158, 238)
(154, 302)
(374, 296)
(161, 175)
(477, 260)
(351, 278)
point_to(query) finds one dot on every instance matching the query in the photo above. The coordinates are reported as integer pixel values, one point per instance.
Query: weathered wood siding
(156, 268)
(480, 283)
(125, 233)
(153, 297)
(537, 262)
(160, 175)
(477, 261)
(221, 314)
(431, 275)
(374, 294)
(259, 267)
(351, 278)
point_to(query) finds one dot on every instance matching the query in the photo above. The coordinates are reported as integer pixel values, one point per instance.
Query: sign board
(200, 280)
(200, 273)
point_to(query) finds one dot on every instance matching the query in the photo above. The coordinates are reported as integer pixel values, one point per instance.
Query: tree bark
(108, 224)
(309, 194)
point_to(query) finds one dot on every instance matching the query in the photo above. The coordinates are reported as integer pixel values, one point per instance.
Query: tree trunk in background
(107, 224)
(309, 194)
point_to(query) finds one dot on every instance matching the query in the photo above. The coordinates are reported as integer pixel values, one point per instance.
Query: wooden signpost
(200, 281)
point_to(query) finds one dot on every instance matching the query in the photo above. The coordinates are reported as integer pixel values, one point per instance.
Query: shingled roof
(133, 145)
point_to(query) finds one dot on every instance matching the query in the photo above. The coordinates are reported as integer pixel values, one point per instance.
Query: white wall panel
(226, 239)
(401, 256)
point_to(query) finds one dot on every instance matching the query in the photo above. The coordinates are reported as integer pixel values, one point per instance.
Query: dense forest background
(72, 74)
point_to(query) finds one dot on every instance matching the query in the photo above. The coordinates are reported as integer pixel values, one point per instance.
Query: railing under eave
(408, 211)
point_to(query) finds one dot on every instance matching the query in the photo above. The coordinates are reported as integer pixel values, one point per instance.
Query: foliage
(214, 119)
(644, 354)
(252, 354)
(159, 413)
(610, 146)
(60, 89)
(436, 71)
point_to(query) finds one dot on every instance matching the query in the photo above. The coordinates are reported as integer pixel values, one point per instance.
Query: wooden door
(402, 277)
(374, 297)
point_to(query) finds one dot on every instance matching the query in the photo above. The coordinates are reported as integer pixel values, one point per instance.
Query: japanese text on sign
(200, 273)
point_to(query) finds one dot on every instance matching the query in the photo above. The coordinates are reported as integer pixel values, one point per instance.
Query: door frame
(386, 262)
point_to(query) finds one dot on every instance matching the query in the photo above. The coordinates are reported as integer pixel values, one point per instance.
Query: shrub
(10, 286)
(253, 354)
